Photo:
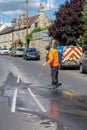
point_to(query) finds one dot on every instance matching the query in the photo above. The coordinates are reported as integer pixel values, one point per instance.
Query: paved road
(26, 97)
(72, 80)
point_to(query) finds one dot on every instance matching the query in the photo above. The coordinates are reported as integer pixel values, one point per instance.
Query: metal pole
(27, 19)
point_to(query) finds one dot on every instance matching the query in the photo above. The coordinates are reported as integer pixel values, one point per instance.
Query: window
(36, 25)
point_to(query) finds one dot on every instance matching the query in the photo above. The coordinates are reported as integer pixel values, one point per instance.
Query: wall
(40, 45)
(6, 40)
(40, 40)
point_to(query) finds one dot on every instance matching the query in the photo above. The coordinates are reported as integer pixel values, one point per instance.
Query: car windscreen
(20, 49)
(3, 48)
(31, 50)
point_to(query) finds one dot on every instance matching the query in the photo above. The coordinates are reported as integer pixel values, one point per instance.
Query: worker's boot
(54, 86)
(58, 85)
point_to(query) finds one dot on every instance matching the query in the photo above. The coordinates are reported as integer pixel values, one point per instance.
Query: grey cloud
(13, 6)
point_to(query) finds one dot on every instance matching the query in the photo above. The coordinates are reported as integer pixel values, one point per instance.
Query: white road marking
(39, 104)
(14, 101)
(18, 79)
(23, 109)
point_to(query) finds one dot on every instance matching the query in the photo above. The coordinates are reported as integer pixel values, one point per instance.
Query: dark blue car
(31, 54)
(83, 63)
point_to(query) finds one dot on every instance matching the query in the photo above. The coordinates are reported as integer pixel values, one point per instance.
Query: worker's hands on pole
(45, 64)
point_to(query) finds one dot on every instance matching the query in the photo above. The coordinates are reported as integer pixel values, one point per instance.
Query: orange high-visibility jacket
(53, 59)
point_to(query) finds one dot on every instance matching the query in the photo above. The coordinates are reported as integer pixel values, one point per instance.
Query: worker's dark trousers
(54, 75)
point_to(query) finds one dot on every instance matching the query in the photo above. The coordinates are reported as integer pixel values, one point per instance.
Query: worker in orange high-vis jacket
(53, 60)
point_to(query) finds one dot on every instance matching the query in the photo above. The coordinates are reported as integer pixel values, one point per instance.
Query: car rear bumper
(4, 53)
(18, 54)
(33, 57)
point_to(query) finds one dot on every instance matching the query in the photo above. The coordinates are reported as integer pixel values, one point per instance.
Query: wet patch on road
(41, 123)
(59, 104)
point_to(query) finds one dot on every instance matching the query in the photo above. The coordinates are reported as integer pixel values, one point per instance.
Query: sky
(10, 9)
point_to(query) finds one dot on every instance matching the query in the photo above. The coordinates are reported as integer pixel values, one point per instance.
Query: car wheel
(81, 69)
(61, 67)
(13, 55)
(39, 58)
(25, 58)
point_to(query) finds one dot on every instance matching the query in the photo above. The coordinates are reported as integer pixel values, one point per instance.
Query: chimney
(13, 22)
(21, 19)
(41, 8)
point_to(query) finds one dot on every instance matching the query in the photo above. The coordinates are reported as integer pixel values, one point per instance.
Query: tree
(20, 43)
(83, 38)
(68, 25)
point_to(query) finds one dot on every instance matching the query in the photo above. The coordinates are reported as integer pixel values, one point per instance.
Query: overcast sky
(13, 8)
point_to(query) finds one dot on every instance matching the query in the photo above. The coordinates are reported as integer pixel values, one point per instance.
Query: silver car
(17, 52)
(4, 51)
(83, 63)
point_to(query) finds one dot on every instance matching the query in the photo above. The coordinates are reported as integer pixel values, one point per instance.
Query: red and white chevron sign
(72, 54)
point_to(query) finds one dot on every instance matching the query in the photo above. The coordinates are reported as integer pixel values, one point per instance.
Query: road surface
(26, 102)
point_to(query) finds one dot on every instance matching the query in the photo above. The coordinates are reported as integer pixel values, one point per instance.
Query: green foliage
(84, 13)
(38, 30)
(83, 38)
(29, 36)
(84, 47)
(20, 43)
(10, 48)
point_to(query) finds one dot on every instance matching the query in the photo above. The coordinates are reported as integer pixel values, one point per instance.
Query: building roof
(31, 20)
(6, 30)
(2, 27)
(22, 22)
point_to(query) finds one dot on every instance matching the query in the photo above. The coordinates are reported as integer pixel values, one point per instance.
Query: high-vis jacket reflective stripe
(53, 58)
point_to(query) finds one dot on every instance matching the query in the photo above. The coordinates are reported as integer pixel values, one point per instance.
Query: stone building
(10, 36)
(6, 37)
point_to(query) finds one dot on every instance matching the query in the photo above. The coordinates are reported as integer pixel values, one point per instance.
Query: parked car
(83, 63)
(17, 52)
(31, 53)
(4, 51)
